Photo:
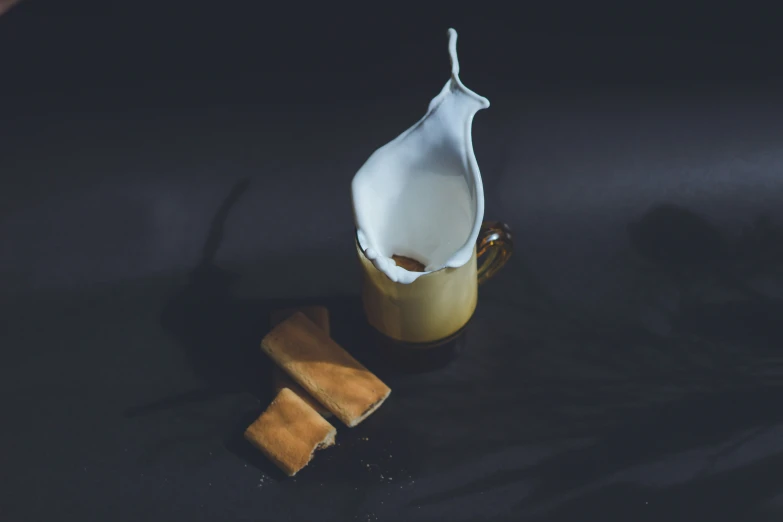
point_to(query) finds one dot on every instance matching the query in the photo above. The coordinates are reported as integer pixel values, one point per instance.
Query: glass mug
(421, 325)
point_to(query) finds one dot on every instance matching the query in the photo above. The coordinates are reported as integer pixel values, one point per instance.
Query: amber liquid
(411, 265)
(419, 357)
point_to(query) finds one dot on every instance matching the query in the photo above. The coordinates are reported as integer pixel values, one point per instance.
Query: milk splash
(421, 194)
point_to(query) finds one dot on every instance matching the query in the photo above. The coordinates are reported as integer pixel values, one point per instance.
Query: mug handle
(495, 244)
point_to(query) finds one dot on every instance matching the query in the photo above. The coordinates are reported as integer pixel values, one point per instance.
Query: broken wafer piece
(289, 432)
(324, 369)
(320, 316)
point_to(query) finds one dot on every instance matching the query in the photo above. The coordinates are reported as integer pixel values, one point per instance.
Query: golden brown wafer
(320, 316)
(324, 369)
(289, 432)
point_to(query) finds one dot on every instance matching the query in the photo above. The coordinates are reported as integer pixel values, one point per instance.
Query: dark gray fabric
(625, 365)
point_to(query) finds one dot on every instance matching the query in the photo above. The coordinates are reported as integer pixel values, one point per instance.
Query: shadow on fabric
(220, 335)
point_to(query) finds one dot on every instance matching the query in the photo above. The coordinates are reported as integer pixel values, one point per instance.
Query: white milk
(421, 195)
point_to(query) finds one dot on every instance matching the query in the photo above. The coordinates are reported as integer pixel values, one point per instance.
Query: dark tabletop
(171, 175)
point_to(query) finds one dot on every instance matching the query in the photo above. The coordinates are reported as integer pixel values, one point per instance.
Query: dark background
(172, 171)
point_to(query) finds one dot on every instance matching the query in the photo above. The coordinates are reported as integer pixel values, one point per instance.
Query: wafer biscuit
(320, 316)
(281, 380)
(289, 432)
(324, 369)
